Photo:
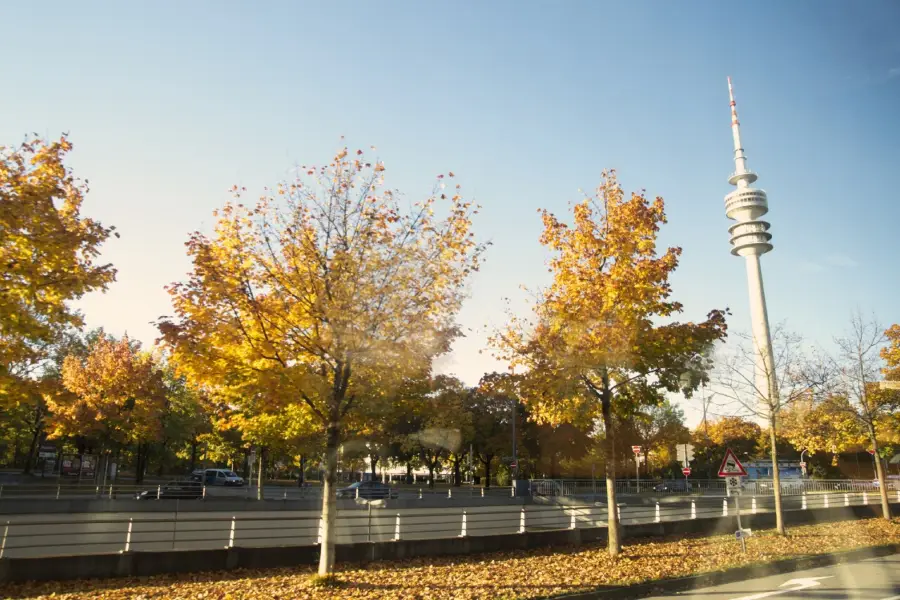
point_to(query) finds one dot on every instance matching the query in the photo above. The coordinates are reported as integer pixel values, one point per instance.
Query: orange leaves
(116, 393)
(891, 353)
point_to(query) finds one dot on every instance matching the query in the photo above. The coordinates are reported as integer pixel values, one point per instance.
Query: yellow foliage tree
(324, 293)
(891, 353)
(48, 251)
(595, 347)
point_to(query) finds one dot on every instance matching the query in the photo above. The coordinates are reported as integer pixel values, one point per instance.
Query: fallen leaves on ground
(507, 575)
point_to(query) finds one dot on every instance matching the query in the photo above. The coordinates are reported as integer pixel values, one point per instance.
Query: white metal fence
(92, 533)
(587, 488)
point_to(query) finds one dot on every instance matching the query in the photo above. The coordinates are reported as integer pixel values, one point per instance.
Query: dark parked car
(370, 490)
(674, 486)
(174, 490)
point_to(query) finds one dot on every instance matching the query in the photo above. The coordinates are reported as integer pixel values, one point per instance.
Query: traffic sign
(802, 465)
(870, 451)
(513, 465)
(734, 484)
(636, 449)
(686, 471)
(731, 465)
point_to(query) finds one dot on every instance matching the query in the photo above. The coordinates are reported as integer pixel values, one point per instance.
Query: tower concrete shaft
(751, 239)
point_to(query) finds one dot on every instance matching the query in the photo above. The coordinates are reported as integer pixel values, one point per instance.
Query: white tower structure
(751, 239)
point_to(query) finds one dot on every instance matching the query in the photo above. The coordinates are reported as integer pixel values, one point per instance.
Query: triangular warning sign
(731, 465)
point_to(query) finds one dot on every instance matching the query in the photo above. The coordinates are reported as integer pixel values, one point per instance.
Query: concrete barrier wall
(152, 562)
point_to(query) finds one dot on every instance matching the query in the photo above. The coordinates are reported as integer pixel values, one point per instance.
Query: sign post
(637, 469)
(732, 470)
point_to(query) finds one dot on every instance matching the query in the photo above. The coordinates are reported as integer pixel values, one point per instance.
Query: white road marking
(799, 584)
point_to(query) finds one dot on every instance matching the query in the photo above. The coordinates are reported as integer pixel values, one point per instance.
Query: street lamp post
(805, 470)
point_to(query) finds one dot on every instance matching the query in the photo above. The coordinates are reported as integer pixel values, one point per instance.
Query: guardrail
(31, 536)
(586, 488)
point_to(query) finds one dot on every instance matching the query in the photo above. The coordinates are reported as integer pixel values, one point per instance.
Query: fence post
(619, 513)
(753, 505)
(110, 491)
(158, 491)
(724, 507)
(846, 499)
(464, 531)
(57, 492)
(803, 502)
(865, 497)
(3, 543)
(231, 534)
(572, 523)
(826, 500)
(482, 492)
(97, 491)
(449, 492)
(128, 537)
(693, 509)
(657, 518)
(397, 528)
(357, 493)
(204, 491)
(522, 521)
(284, 496)
(420, 493)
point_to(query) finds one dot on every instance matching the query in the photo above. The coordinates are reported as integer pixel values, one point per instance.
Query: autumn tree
(745, 381)
(444, 420)
(712, 440)
(823, 425)
(327, 289)
(858, 381)
(597, 344)
(659, 428)
(114, 395)
(48, 254)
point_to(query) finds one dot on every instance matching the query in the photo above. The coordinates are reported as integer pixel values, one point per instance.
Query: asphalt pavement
(872, 579)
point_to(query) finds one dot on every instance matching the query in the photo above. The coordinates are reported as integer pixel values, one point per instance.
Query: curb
(682, 584)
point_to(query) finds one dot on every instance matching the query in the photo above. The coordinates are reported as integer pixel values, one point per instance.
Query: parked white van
(218, 477)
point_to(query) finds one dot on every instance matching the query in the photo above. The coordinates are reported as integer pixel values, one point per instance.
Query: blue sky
(170, 103)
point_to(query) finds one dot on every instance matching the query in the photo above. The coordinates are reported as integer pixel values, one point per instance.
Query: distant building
(762, 469)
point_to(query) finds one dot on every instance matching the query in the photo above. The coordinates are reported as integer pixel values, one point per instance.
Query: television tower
(751, 239)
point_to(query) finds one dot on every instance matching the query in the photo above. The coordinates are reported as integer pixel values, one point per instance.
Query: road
(187, 528)
(873, 579)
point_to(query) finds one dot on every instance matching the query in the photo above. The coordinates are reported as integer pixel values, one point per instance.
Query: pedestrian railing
(114, 491)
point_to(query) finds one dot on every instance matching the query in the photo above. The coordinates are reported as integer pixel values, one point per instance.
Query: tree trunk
(260, 478)
(138, 472)
(329, 508)
(882, 483)
(457, 478)
(776, 477)
(409, 476)
(37, 426)
(373, 462)
(487, 471)
(193, 455)
(430, 475)
(614, 543)
(302, 477)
